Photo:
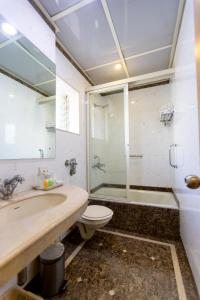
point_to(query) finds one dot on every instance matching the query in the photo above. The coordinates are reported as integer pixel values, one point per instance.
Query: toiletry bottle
(38, 182)
(51, 183)
(45, 183)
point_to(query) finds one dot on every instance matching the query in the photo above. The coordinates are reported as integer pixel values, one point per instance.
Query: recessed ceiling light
(11, 95)
(8, 28)
(132, 102)
(118, 66)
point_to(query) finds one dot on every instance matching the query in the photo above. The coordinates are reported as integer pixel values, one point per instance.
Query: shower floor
(143, 197)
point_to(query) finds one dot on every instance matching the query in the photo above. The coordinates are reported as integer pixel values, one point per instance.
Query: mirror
(67, 107)
(27, 98)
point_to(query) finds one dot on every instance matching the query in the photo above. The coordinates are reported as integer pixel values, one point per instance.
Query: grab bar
(136, 156)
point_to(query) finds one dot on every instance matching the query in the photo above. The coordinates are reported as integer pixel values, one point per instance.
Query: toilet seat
(94, 217)
(97, 212)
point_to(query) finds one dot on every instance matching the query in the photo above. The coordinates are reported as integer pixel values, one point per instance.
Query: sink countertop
(23, 240)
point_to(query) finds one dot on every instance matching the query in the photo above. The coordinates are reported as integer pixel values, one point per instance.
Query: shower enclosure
(128, 145)
(108, 142)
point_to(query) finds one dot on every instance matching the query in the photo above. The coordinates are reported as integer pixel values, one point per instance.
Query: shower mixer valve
(72, 163)
(98, 164)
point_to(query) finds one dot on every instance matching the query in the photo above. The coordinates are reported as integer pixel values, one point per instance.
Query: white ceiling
(139, 34)
(18, 56)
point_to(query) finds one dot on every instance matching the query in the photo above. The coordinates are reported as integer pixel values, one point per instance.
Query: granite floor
(118, 265)
(111, 266)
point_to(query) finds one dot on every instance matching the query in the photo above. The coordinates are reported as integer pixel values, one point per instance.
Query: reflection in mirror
(27, 98)
(67, 107)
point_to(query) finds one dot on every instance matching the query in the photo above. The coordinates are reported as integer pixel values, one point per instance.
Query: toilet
(94, 217)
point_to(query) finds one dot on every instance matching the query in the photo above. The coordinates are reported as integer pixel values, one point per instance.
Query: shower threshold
(134, 196)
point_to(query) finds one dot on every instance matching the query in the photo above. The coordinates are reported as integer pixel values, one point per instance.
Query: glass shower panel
(107, 144)
(150, 140)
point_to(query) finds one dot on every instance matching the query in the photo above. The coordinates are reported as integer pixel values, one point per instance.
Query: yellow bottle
(45, 183)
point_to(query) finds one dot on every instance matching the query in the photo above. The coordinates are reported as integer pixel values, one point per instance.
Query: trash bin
(52, 268)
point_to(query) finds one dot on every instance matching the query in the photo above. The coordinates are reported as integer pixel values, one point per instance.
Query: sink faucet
(9, 185)
(41, 152)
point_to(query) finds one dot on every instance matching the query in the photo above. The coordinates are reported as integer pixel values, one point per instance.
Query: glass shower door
(108, 142)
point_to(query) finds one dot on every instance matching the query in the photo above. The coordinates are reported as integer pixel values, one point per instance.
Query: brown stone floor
(120, 268)
(188, 280)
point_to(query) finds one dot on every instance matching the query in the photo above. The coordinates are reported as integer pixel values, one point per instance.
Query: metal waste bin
(52, 268)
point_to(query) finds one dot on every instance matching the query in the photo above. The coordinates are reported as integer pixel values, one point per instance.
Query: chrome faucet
(72, 163)
(9, 185)
(41, 152)
(98, 164)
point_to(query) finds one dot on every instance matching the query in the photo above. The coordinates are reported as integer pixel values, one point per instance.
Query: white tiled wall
(115, 151)
(149, 137)
(15, 137)
(107, 139)
(97, 140)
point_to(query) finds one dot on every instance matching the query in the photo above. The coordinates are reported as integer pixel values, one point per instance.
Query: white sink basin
(30, 222)
(29, 207)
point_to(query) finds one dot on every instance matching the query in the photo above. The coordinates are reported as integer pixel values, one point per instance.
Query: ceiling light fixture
(8, 28)
(118, 66)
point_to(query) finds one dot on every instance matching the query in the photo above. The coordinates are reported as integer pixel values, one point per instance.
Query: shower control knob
(192, 181)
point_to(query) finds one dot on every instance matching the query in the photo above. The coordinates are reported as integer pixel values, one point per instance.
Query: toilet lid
(97, 212)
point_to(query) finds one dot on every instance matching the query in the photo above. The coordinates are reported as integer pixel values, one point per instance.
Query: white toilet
(95, 216)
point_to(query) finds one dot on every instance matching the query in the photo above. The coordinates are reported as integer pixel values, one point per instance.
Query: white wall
(149, 137)
(115, 150)
(24, 139)
(21, 14)
(107, 139)
(97, 138)
(186, 136)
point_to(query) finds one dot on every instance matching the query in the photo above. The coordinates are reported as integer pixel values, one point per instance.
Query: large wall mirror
(27, 98)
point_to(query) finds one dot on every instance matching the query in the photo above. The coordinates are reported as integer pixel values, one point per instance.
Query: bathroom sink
(31, 222)
(29, 207)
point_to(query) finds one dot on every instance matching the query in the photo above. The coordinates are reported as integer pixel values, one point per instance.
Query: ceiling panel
(143, 25)
(48, 88)
(149, 63)
(41, 57)
(24, 66)
(55, 6)
(86, 34)
(106, 74)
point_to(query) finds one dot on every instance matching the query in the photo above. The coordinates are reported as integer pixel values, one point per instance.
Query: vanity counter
(32, 221)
